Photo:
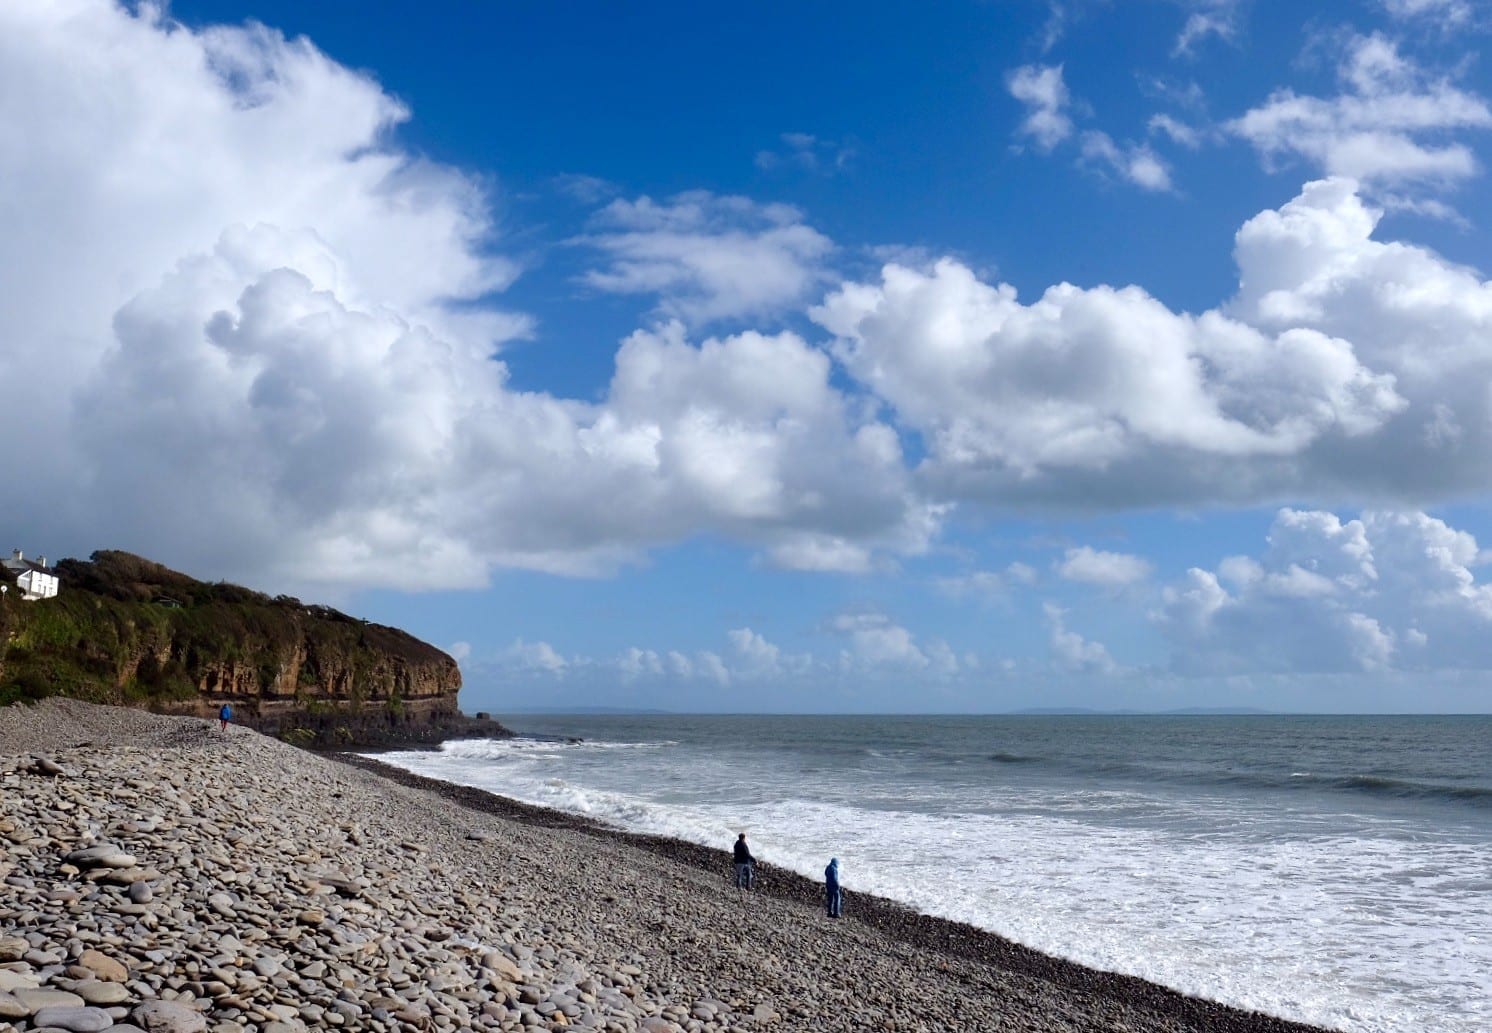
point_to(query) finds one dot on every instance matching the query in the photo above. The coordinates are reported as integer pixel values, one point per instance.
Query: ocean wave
(1381, 786)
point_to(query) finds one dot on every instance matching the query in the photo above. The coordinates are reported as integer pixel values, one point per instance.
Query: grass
(107, 637)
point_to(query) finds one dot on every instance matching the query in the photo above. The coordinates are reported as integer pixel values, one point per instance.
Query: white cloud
(460, 651)
(1109, 569)
(263, 361)
(588, 190)
(1345, 368)
(988, 584)
(1071, 651)
(535, 658)
(1135, 163)
(806, 152)
(1041, 89)
(1388, 590)
(1048, 123)
(876, 641)
(636, 663)
(1178, 132)
(753, 658)
(1095, 394)
(747, 435)
(1021, 573)
(708, 257)
(1446, 14)
(878, 645)
(1208, 18)
(1391, 127)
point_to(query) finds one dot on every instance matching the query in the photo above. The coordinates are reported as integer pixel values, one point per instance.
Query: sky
(817, 357)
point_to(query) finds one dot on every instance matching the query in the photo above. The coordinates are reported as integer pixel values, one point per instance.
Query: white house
(33, 577)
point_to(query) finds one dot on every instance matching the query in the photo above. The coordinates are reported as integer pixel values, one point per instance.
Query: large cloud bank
(1345, 369)
(257, 339)
(245, 318)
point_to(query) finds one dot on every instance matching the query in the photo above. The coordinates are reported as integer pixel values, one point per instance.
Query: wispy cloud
(1444, 14)
(1176, 131)
(988, 584)
(805, 152)
(586, 189)
(1206, 18)
(707, 256)
(1133, 163)
(1070, 650)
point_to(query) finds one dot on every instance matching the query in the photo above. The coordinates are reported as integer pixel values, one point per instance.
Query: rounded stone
(98, 992)
(169, 1017)
(77, 1019)
(103, 966)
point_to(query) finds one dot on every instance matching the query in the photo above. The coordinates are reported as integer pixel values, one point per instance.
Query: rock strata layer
(172, 877)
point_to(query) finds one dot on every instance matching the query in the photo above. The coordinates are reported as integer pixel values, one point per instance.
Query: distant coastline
(605, 711)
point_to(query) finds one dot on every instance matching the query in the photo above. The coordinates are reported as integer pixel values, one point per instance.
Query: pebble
(103, 966)
(164, 878)
(169, 1017)
(79, 1020)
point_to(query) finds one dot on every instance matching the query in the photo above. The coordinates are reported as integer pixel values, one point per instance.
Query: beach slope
(161, 874)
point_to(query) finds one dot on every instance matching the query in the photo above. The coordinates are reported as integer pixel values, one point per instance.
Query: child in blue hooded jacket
(833, 897)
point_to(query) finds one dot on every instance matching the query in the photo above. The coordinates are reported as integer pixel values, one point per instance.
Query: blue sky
(798, 357)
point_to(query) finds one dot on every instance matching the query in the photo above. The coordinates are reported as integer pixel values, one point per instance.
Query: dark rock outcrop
(128, 631)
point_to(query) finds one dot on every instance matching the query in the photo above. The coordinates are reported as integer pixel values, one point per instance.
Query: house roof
(20, 566)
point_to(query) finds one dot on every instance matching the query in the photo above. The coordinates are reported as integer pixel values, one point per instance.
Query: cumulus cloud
(708, 257)
(1120, 394)
(535, 658)
(1108, 569)
(1390, 590)
(1071, 651)
(1041, 89)
(268, 352)
(1389, 127)
(749, 658)
(877, 643)
(1344, 368)
(760, 443)
(1407, 311)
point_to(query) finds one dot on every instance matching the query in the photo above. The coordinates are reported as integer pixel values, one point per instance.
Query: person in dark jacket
(745, 864)
(224, 716)
(833, 896)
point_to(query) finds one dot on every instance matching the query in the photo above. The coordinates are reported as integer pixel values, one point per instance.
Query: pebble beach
(159, 874)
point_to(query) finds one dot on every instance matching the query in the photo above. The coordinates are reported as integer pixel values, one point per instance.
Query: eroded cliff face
(128, 631)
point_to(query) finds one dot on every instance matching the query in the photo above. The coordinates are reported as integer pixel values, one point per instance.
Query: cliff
(128, 631)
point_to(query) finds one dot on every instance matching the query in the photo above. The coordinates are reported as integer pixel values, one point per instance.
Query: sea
(1332, 870)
